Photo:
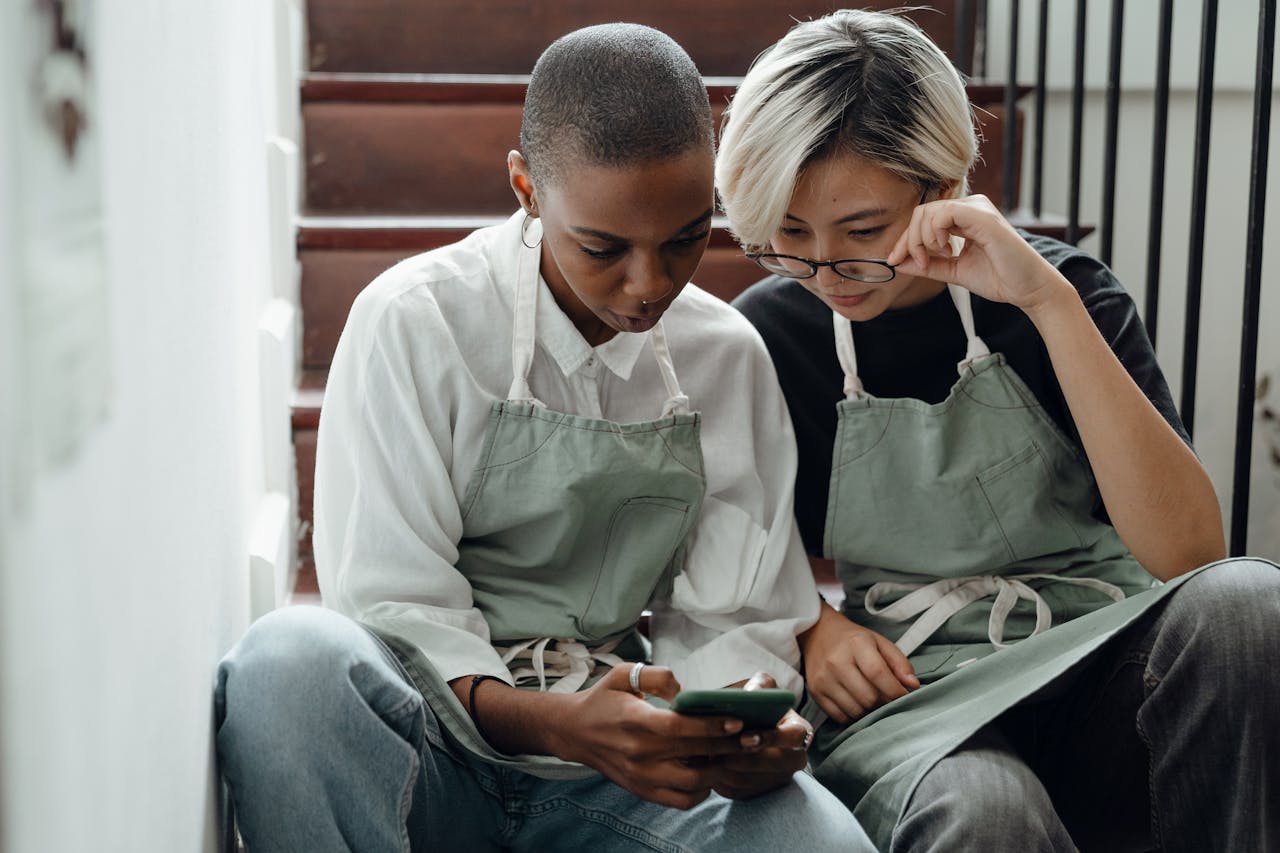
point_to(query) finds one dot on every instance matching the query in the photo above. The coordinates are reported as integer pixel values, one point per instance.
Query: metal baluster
(1253, 276)
(1155, 224)
(1077, 128)
(963, 48)
(1107, 225)
(1008, 194)
(1037, 157)
(1199, 192)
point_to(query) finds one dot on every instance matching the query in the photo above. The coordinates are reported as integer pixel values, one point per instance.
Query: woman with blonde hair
(1041, 646)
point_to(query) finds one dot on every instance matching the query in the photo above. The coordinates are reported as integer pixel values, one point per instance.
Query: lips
(636, 324)
(848, 300)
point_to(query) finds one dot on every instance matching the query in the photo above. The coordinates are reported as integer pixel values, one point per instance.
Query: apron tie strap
(570, 661)
(524, 334)
(975, 348)
(932, 604)
(848, 356)
(677, 402)
(523, 329)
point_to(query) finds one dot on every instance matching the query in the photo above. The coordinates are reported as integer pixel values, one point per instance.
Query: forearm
(1155, 490)
(514, 721)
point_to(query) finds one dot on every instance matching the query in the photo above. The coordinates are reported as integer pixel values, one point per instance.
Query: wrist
(1054, 298)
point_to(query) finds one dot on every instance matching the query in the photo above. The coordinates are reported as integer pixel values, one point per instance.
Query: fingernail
(732, 726)
(750, 741)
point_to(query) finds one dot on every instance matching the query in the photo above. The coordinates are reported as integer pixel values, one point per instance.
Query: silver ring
(635, 677)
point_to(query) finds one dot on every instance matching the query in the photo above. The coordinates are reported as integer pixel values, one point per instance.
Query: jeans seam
(1149, 683)
(607, 820)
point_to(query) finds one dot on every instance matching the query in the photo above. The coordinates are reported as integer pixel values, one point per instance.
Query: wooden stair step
(373, 87)
(429, 158)
(507, 36)
(339, 257)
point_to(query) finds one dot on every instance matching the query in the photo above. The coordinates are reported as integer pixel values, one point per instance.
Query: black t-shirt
(913, 352)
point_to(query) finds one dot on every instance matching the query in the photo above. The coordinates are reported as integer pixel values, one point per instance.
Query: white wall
(1226, 232)
(124, 572)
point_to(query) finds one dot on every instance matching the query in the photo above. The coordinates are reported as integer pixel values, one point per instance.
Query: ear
(521, 182)
(949, 189)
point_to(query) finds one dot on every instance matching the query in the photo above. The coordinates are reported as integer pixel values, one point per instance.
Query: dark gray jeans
(1167, 740)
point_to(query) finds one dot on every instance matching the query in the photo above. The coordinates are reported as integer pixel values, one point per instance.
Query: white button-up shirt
(427, 350)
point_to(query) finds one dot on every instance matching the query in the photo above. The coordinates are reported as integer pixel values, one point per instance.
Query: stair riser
(507, 36)
(331, 278)
(438, 159)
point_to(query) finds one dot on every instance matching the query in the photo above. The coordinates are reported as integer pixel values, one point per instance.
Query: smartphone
(758, 709)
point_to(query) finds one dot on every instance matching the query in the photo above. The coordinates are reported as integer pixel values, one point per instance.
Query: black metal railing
(1247, 381)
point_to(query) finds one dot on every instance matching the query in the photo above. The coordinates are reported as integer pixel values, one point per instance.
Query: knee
(293, 664)
(1230, 607)
(979, 799)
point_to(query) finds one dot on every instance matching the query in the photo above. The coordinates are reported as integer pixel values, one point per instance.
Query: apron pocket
(1020, 492)
(643, 535)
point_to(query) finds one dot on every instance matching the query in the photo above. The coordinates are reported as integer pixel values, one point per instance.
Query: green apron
(960, 529)
(570, 526)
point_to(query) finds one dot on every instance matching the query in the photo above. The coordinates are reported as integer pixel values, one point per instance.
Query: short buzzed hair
(612, 95)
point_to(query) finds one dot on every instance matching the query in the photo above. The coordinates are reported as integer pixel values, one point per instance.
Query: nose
(649, 280)
(827, 277)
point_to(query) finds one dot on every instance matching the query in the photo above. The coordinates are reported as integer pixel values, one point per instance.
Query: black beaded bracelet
(471, 700)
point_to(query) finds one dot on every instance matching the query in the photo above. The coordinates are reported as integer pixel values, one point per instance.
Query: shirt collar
(564, 343)
(555, 331)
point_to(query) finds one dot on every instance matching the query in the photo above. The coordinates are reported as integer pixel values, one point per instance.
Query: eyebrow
(869, 213)
(613, 238)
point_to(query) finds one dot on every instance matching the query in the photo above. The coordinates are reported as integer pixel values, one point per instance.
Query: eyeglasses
(858, 269)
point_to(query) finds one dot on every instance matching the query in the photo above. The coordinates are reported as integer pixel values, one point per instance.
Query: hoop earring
(524, 226)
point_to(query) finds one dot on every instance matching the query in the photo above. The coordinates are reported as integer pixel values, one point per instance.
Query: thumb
(760, 681)
(898, 663)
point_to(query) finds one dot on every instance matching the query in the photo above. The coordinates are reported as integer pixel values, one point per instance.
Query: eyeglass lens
(856, 270)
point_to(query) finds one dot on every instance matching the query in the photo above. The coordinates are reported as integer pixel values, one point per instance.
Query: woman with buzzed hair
(1030, 655)
(529, 438)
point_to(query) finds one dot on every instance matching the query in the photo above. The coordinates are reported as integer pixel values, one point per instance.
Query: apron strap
(976, 348)
(935, 603)
(677, 402)
(570, 661)
(848, 356)
(523, 331)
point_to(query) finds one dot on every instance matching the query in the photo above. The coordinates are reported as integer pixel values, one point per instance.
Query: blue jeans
(1169, 739)
(326, 746)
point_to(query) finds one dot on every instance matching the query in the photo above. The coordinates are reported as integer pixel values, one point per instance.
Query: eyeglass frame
(814, 266)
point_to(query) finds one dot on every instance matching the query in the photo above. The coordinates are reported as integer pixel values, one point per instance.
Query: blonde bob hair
(865, 83)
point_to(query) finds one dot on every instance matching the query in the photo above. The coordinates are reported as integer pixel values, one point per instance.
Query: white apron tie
(935, 603)
(570, 661)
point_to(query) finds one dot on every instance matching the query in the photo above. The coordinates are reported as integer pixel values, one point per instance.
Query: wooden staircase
(409, 109)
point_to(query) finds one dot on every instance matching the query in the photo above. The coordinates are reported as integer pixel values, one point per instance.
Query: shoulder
(776, 301)
(1090, 276)
(709, 322)
(795, 325)
(440, 291)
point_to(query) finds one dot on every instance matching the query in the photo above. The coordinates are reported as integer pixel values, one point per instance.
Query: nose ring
(660, 298)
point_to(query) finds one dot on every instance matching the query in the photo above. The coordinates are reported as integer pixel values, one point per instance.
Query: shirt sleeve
(387, 517)
(1116, 316)
(746, 590)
